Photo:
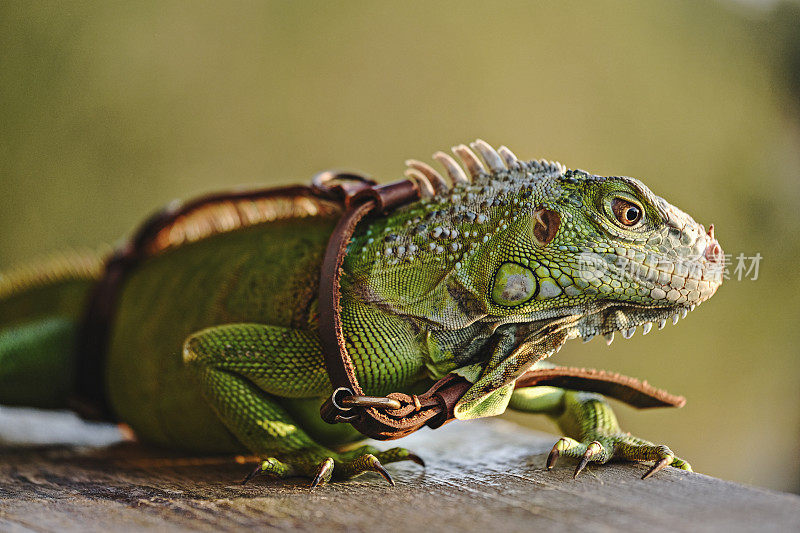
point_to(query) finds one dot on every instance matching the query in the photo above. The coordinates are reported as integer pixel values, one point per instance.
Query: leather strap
(337, 361)
(391, 423)
(626, 389)
(435, 407)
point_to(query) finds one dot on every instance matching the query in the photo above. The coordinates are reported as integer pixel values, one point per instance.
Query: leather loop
(390, 196)
(340, 186)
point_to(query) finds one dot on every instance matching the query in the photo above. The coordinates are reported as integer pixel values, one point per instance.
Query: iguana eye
(627, 213)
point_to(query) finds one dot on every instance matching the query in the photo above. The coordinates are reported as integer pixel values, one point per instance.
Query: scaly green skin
(215, 344)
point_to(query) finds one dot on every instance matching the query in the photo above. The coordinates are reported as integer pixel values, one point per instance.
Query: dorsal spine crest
(484, 196)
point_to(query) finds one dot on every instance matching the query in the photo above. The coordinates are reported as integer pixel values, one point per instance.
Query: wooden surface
(481, 475)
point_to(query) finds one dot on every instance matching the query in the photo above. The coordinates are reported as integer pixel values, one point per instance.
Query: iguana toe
(414, 458)
(270, 467)
(563, 444)
(392, 455)
(366, 463)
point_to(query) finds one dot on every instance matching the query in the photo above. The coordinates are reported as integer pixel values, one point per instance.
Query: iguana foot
(365, 459)
(270, 467)
(621, 446)
(321, 468)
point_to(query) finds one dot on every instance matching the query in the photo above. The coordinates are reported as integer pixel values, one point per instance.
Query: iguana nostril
(713, 251)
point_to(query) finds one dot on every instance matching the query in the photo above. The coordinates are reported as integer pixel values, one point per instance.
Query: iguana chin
(214, 346)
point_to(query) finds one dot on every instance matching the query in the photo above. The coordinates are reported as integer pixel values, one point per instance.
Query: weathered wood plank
(480, 475)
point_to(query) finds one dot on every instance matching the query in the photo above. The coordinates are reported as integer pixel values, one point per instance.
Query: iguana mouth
(680, 286)
(611, 318)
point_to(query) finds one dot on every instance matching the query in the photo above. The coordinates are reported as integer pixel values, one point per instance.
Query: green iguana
(214, 344)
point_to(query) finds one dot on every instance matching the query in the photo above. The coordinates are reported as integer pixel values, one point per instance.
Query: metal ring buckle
(346, 403)
(341, 393)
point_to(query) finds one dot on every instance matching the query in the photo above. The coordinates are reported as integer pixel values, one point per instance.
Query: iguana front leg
(593, 433)
(247, 371)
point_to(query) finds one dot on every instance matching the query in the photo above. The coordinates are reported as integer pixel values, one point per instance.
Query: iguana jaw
(607, 318)
(626, 318)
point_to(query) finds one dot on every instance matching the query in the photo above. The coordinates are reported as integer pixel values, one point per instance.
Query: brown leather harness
(393, 416)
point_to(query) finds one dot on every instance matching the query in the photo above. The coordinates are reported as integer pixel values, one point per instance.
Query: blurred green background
(108, 110)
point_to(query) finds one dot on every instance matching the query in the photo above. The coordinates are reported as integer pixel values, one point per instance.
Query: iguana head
(606, 248)
(638, 258)
(561, 253)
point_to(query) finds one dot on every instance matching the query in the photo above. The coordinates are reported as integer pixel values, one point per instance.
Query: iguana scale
(214, 343)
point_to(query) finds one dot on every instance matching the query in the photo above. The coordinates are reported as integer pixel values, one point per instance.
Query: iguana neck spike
(470, 160)
(511, 160)
(437, 182)
(489, 155)
(454, 171)
(425, 187)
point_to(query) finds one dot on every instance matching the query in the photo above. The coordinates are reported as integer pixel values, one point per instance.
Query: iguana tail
(40, 312)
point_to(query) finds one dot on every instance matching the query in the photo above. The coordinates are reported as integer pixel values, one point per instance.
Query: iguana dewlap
(213, 345)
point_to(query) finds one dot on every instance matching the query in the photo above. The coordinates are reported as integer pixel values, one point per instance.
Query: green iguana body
(214, 346)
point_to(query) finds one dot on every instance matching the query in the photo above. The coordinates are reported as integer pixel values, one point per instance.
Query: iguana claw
(591, 450)
(323, 474)
(552, 458)
(658, 466)
(414, 458)
(368, 463)
(252, 474)
(378, 467)
(563, 444)
(270, 467)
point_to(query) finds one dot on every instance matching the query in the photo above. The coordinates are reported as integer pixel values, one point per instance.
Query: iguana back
(221, 261)
(266, 274)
